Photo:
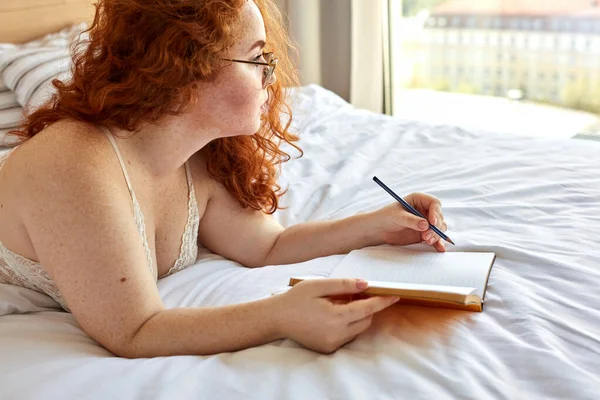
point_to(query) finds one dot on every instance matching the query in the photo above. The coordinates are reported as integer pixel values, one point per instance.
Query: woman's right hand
(311, 317)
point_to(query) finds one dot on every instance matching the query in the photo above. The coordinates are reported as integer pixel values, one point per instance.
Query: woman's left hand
(399, 227)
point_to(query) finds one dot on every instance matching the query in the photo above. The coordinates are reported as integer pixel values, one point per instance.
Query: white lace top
(20, 271)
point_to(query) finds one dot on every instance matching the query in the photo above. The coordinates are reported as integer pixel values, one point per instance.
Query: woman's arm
(77, 211)
(76, 208)
(255, 239)
(305, 314)
(389, 225)
(310, 240)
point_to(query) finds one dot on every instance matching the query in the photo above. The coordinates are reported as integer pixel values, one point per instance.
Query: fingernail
(361, 283)
(394, 299)
(423, 225)
(435, 220)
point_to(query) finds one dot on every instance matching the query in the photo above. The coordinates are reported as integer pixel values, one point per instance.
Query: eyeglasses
(270, 64)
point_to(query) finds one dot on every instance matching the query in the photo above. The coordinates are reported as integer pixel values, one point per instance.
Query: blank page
(396, 264)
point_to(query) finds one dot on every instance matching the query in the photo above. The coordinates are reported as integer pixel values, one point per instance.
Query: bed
(534, 202)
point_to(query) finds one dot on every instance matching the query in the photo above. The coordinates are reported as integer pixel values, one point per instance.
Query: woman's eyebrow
(259, 43)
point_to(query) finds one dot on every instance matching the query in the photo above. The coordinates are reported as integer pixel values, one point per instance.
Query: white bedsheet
(536, 203)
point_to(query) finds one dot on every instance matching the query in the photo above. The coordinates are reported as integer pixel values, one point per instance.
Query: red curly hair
(141, 62)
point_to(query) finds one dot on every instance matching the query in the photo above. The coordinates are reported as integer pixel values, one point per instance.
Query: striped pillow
(7, 100)
(7, 140)
(26, 74)
(28, 69)
(11, 114)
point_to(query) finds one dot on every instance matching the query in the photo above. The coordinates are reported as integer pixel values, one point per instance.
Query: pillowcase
(20, 300)
(10, 117)
(11, 114)
(7, 99)
(26, 71)
(26, 75)
(29, 69)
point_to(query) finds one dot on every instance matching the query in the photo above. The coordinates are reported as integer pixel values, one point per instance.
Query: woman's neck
(162, 148)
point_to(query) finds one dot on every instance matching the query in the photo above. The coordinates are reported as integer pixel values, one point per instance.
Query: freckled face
(232, 102)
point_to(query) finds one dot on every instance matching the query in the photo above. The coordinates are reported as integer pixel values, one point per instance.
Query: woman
(166, 137)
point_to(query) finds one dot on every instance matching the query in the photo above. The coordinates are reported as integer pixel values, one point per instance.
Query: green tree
(581, 96)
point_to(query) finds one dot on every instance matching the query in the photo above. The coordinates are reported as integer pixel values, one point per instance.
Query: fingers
(439, 246)
(431, 207)
(412, 221)
(424, 202)
(357, 327)
(333, 286)
(361, 309)
(405, 219)
(435, 216)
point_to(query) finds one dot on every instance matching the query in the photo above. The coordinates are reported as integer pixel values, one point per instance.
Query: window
(530, 48)
(567, 25)
(555, 24)
(584, 26)
(486, 22)
(581, 43)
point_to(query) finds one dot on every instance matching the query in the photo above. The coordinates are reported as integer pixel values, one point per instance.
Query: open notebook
(449, 280)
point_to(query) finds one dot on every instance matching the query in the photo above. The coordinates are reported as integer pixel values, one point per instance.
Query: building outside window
(524, 43)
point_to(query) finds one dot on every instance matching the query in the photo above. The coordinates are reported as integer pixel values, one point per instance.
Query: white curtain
(340, 45)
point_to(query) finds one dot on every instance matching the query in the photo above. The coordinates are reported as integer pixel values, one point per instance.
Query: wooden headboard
(24, 20)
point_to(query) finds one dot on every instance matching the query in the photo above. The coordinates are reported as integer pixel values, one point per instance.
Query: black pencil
(411, 210)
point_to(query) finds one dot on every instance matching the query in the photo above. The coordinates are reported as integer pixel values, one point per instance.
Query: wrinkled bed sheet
(534, 202)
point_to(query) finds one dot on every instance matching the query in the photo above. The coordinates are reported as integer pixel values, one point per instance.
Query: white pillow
(7, 140)
(8, 100)
(19, 300)
(3, 86)
(29, 69)
(27, 74)
(10, 117)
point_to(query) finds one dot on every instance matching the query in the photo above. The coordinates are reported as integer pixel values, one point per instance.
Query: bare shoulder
(76, 221)
(63, 154)
(67, 165)
(64, 142)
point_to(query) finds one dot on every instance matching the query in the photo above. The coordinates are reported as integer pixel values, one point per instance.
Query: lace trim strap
(113, 142)
(137, 210)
